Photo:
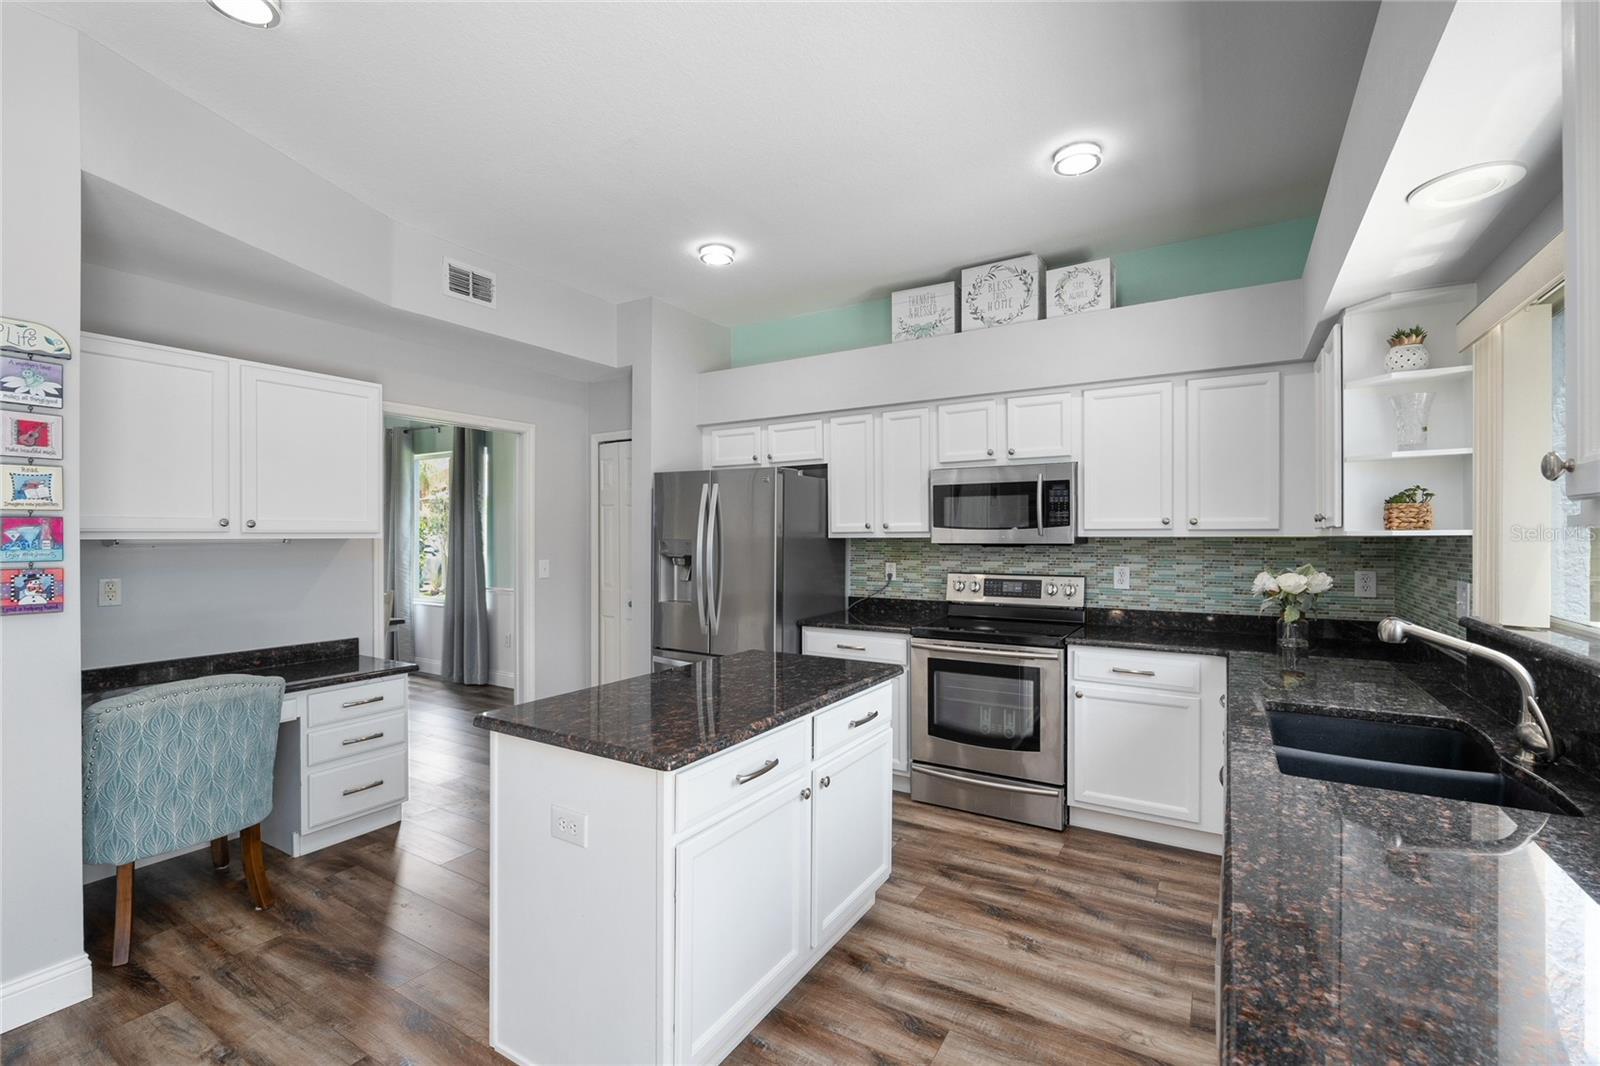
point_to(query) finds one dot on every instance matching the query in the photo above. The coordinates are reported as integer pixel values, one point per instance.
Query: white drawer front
(859, 716)
(854, 644)
(715, 783)
(347, 789)
(330, 705)
(1145, 669)
(356, 738)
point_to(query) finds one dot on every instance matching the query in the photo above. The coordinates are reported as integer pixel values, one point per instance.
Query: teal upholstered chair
(175, 765)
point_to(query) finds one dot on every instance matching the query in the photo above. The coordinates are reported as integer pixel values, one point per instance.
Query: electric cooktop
(1031, 610)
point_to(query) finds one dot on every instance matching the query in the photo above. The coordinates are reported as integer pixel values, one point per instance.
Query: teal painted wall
(1256, 256)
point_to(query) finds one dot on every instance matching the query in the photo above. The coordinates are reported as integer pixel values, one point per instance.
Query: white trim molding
(595, 440)
(1580, 173)
(45, 991)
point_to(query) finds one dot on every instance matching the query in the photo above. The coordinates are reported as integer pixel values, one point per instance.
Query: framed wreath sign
(1071, 290)
(998, 294)
(929, 311)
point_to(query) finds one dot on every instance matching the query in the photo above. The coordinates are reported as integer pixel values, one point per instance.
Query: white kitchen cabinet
(1234, 452)
(903, 472)
(878, 648)
(1328, 451)
(852, 476)
(969, 432)
(792, 443)
(851, 818)
(157, 438)
(1040, 427)
(736, 446)
(1127, 469)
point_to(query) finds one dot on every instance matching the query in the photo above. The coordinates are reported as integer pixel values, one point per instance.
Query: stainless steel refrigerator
(741, 557)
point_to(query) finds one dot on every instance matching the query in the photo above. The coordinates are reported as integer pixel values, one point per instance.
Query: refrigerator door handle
(699, 576)
(714, 557)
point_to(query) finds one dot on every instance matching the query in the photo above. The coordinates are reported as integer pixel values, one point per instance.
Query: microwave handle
(1039, 504)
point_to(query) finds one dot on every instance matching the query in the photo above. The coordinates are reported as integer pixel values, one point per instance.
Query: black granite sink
(1423, 759)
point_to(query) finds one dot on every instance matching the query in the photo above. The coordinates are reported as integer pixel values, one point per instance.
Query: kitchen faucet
(1533, 732)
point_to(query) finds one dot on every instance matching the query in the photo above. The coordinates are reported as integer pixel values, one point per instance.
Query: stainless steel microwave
(1018, 503)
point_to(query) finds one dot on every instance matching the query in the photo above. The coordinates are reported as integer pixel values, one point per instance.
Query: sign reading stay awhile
(998, 294)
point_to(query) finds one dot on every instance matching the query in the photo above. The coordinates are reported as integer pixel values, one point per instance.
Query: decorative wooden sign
(1071, 290)
(998, 294)
(929, 311)
(32, 340)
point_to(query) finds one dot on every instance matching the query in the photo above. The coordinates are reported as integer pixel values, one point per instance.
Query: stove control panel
(1032, 590)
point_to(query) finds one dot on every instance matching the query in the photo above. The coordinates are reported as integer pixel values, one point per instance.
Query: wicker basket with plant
(1409, 509)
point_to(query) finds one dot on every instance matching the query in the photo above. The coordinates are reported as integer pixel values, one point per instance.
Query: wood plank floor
(991, 943)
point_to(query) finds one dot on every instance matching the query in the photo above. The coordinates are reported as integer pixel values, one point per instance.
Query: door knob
(1552, 466)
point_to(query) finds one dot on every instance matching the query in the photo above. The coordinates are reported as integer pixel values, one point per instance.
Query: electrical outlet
(1367, 584)
(569, 825)
(544, 567)
(888, 571)
(507, 640)
(1122, 577)
(1463, 598)
(111, 592)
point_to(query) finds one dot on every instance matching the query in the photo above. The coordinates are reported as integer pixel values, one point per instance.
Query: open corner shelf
(1416, 453)
(1408, 532)
(1400, 379)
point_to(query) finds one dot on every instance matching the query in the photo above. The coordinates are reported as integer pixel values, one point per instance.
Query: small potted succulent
(1409, 509)
(1406, 351)
(1293, 594)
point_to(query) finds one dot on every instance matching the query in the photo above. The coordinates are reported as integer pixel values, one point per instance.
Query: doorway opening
(610, 520)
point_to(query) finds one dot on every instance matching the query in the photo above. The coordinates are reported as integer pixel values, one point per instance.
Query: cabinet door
(157, 440)
(1330, 431)
(852, 476)
(743, 916)
(874, 648)
(1234, 452)
(736, 446)
(903, 472)
(968, 432)
(1039, 427)
(852, 809)
(1135, 751)
(795, 442)
(311, 453)
(1127, 457)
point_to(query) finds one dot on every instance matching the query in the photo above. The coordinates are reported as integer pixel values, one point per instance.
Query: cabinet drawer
(715, 784)
(853, 644)
(327, 706)
(356, 738)
(347, 789)
(852, 719)
(1145, 669)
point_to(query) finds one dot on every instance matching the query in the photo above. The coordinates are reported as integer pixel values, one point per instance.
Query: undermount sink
(1428, 760)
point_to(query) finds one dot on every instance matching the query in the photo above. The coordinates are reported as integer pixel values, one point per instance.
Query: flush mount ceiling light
(1467, 185)
(1077, 159)
(715, 255)
(262, 14)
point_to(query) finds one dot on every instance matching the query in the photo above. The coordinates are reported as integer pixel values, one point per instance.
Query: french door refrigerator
(741, 557)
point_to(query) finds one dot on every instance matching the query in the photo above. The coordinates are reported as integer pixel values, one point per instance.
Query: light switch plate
(544, 567)
(1367, 584)
(111, 592)
(1122, 577)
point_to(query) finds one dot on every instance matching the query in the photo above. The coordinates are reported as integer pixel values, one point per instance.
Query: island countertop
(671, 718)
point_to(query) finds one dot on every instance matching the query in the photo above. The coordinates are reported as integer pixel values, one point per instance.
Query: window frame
(417, 459)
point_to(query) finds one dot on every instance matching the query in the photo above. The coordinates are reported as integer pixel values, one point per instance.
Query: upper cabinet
(1127, 467)
(852, 476)
(1328, 420)
(794, 443)
(903, 472)
(969, 432)
(878, 474)
(1040, 427)
(1233, 452)
(183, 445)
(736, 446)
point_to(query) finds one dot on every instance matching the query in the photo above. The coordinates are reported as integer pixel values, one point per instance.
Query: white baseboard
(505, 678)
(45, 991)
(428, 666)
(1139, 829)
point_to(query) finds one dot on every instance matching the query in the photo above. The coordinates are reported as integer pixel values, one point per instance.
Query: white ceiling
(844, 149)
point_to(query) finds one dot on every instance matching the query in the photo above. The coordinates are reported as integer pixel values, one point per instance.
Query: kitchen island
(672, 853)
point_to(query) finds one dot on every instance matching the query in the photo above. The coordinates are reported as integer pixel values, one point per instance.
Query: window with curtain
(430, 483)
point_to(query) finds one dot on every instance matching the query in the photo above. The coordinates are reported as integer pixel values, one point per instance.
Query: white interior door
(614, 494)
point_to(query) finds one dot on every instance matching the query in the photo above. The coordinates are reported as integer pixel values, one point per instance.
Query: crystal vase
(1294, 643)
(1411, 419)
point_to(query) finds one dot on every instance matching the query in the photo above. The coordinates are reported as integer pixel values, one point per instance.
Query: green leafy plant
(1415, 494)
(1407, 335)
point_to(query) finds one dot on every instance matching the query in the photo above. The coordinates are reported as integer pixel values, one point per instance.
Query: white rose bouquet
(1293, 592)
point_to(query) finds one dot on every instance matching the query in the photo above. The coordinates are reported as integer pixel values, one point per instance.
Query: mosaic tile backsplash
(1416, 575)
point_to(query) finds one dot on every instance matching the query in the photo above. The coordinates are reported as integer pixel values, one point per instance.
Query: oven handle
(975, 649)
(984, 782)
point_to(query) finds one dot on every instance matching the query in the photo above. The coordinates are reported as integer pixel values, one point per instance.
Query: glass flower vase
(1411, 419)
(1294, 644)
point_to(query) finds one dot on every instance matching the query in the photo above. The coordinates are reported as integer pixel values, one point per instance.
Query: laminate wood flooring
(991, 943)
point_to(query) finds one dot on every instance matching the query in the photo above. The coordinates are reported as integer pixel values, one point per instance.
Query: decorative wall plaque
(998, 294)
(30, 435)
(32, 340)
(33, 382)
(33, 591)
(31, 488)
(32, 539)
(1070, 290)
(929, 311)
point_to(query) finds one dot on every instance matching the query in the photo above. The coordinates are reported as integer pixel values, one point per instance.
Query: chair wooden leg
(219, 853)
(123, 934)
(255, 867)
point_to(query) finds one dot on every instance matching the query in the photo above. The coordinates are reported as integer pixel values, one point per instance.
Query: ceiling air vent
(468, 284)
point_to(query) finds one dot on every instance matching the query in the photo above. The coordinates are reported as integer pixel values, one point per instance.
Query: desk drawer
(854, 644)
(859, 716)
(1142, 669)
(356, 738)
(347, 789)
(331, 705)
(714, 784)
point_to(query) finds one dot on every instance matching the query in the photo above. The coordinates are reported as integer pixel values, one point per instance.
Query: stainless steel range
(988, 697)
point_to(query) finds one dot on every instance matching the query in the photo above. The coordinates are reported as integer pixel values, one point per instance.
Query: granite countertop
(671, 718)
(1365, 925)
(302, 666)
(887, 616)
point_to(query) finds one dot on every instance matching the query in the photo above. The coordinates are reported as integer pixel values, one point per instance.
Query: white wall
(1527, 243)
(428, 633)
(496, 386)
(611, 404)
(42, 964)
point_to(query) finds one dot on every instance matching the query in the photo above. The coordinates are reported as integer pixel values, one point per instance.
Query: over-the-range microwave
(1014, 503)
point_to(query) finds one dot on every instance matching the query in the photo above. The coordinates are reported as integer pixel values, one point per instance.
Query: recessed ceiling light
(1077, 158)
(262, 14)
(1467, 185)
(715, 255)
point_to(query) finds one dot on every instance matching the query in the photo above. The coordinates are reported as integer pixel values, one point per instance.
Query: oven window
(996, 505)
(985, 704)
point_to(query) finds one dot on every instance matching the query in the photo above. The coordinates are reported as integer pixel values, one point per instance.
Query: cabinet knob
(1166, 521)
(826, 781)
(1552, 466)
(866, 525)
(755, 458)
(769, 457)
(886, 525)
(1194, 521)
(223, 522)
(1011, 451)
(991, 451)
(249, 523)
(805, 793)
(1318, 517)
(1077, 693)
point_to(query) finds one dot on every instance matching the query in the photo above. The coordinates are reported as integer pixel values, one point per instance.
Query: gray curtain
(399, 538)
(466, 601)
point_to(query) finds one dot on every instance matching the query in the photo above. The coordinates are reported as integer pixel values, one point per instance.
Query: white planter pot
(1406, 357)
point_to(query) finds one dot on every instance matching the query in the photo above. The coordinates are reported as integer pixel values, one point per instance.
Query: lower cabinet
(852, 815)
(877, 648)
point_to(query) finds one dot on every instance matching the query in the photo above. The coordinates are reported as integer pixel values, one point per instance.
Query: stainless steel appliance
(1019, 503)
(741, 556)
(988, 697)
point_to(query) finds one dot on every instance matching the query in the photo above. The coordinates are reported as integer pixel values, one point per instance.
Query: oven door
(991, 709)
(1015, 504)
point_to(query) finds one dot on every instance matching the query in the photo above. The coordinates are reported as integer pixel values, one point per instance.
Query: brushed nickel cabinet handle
(866, 525)
(250, 523)
(755, 458)
(1194, 521)
(361, 703)
(223, 522)
(1011, 451)
(851, 647)
(766, 768)
(1077, 693)
(360, 740)
(1132, 672)
(363, 788)
(826, 781)
(1166, 521)
(1552, 466)
(805, 793)
(1222, 776)
(863, 721)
